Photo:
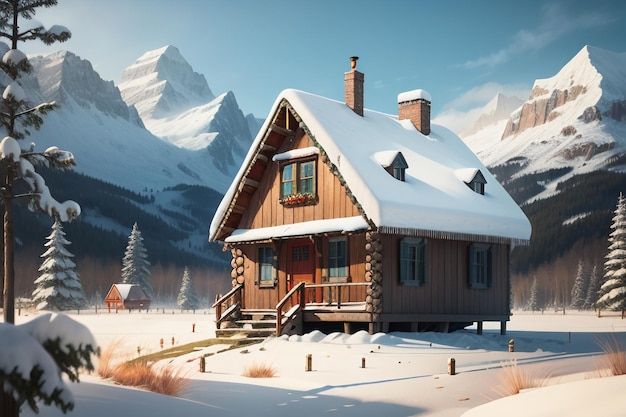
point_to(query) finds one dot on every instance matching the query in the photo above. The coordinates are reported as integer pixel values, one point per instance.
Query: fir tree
(533, 304)
(613, 291)
(187, 297)
(579, 289)
(593, 290)
(135, 265)
(58, 287)
(18, 115)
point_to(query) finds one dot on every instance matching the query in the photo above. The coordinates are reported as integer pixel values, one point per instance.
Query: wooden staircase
(234, 321)
(249, 324)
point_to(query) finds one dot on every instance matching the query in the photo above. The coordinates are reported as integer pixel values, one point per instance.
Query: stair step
(257, 312)
(255, 322)
(248, 333)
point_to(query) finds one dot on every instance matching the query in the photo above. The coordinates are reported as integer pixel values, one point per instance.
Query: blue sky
(462, 52)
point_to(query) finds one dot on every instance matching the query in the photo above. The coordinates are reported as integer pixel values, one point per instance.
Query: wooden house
(127, 296)
(345, 215)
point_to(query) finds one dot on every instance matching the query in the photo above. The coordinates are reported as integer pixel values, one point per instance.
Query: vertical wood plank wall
(446, 290)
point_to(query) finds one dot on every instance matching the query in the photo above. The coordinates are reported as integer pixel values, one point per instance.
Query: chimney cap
(418, 94)
(353, 60)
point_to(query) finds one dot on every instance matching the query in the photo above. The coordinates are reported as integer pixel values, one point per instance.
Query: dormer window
(393, 162)
(473, 178)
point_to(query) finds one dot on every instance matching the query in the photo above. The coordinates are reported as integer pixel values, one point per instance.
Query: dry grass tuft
(516, 378)
(108, 357)
(161, 379)
(613, 362)
(259, 370)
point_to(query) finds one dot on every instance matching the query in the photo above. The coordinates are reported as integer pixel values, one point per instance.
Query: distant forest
(569, 227)
(98, 252)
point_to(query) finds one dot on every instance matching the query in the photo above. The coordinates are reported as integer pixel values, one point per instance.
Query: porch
(308, 306)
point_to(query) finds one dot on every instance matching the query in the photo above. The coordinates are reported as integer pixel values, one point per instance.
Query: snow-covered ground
(405, 374)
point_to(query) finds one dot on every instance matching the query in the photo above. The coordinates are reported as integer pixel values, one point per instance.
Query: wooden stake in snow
(451, 366)
(309, 363)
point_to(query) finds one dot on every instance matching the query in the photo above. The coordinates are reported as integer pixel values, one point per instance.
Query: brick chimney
(415, 106)
(353, 85)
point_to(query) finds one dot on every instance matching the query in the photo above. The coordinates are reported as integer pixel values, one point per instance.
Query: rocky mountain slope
(573, 121)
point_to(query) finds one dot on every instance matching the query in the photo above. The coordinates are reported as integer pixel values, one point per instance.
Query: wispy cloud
(556, 23)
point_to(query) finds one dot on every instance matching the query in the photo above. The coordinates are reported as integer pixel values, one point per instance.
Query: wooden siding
(264, 209)
(259, 297)
(446, 290)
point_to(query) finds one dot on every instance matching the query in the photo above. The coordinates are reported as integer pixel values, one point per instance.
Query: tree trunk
(9, 267)
(8, 405)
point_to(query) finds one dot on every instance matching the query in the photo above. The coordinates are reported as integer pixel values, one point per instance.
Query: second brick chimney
(353, 85)
(415, 106)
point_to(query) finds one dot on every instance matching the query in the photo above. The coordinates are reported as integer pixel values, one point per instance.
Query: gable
(259, 201)
(431, 202)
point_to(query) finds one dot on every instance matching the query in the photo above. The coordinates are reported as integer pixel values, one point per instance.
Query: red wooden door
(301, 262)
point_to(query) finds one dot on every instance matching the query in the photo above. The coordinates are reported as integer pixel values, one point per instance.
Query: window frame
(480, 274)
(419, 261)
(266, 259)
(335, 270)
(301, 193)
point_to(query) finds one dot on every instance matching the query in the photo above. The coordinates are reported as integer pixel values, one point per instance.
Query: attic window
(473, 178)
(393, 162)
(298, 183)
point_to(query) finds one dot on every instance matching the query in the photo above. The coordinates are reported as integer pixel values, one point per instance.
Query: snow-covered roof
(345, 224)
(432, 201)
(130, 291)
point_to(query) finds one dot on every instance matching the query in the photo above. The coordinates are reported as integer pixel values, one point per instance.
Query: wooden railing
(294, 307)
(335, 294)
(228, 305)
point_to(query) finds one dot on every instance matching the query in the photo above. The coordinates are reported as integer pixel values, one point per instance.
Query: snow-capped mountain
(573, 120)
(176, 104)
(111, 143)
(499, 108)
(162, 84)
(108, 137)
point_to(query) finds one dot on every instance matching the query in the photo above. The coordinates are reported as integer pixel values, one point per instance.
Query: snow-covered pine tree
(187, 296)
(593, 290)
(579, 289)
(613, 291)
(18, 115)
(533, 304)
(135, 264)
(58, 287)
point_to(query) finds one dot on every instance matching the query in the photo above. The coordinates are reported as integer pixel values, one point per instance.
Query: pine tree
(135, 265)
(613, 291)
(17, 116)
(579, 289)
(533, 304)
(58, 287)
(593, 290)
(187, 297)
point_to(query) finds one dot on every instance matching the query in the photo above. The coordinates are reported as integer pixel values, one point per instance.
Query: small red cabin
(127, 296)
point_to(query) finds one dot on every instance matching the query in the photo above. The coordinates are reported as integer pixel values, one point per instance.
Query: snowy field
(405, 374)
